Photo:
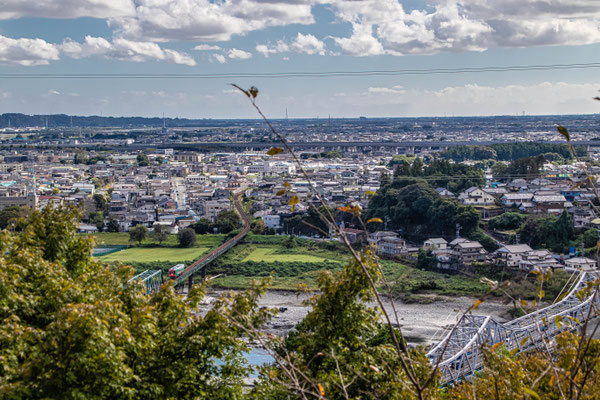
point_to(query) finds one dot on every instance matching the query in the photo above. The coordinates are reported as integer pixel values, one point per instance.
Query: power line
(303, 74)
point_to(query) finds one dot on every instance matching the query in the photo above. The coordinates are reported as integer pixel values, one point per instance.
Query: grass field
(150, 254)
(122, 238)
(272, 254)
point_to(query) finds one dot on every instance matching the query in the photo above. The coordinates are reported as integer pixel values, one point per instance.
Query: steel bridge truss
(459, 355)
(151, 279)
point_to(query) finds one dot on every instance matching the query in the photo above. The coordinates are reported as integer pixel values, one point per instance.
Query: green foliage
(113, 225)
(258, 226)
(13, 216)
(138, 233)
(226, 221)
(426, 259)
(161, 233)
(97, 218)
(548, 232)
(203, 226)
(99, 202)
(186, 237)
(419, 209)
(71, 328)
(589, 237)
(464, 153)
(507, 220)
(142, 159)
(509, 151)
(341, 347)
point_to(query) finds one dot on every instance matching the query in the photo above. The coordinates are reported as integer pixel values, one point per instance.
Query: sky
(275, 36)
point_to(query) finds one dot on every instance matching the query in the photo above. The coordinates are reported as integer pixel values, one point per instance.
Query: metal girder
(151, 278)
(458, 355)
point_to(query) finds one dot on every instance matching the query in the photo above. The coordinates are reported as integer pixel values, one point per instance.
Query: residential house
(581, 264)
(436, 244)
(511, 255)
(476, 196)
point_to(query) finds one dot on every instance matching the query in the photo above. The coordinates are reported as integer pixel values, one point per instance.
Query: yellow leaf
(524, 340)
(286, 184)
(523, 303)
(564, 132)
(281, 192)
(496, 345)
(541, 294)
(375, 220)
(477, 304)
(558, 321)
(321, 389)
(531, 393)
(294, 200)
(274, 151)
(273, 374)
(369, 193)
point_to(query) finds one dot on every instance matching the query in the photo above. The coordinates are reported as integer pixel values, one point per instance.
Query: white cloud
(220, 58)
(239, 54)
(279, 47)
(27, 52)
(383, 26)
(123, 49)
(361, 43)
(66, 8)
(307, 44)
(206, 47)
(205, 20)
(470, 99)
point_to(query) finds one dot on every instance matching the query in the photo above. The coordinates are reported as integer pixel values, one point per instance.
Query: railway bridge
(459, 354)
(152, 279)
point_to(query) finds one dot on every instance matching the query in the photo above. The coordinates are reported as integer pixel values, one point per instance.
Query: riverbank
(421, 324)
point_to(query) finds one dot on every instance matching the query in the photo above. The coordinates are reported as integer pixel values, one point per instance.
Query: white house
(476, 197)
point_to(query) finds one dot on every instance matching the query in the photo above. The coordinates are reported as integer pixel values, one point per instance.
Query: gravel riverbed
(420, 323)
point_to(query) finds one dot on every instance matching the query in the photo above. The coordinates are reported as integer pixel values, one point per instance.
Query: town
(175, 188)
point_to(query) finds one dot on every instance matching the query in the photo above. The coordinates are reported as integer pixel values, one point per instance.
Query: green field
(122, 238)
(156, 254)
(273, 254)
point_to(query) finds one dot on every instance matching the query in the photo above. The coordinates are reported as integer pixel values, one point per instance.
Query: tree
(142, 159)
(100, 202)
(161, 233)
(72, 327)
(258, 226)
(186, 237)
(97, 218)
(13, 216)
(138, 233)
(203, 226)
(113, 225)
(226, 221)
(426, 259)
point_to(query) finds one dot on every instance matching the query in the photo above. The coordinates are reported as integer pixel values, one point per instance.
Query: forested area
(510, 151)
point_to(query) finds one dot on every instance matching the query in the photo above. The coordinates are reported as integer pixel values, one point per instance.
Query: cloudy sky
(275, 36)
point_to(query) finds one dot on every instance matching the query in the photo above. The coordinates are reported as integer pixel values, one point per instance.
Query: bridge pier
(190, 283)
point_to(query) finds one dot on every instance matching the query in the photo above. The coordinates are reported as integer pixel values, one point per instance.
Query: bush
(186, 237)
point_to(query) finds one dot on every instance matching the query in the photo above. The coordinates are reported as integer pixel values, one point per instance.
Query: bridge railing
(151, 279)
(460, 351)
